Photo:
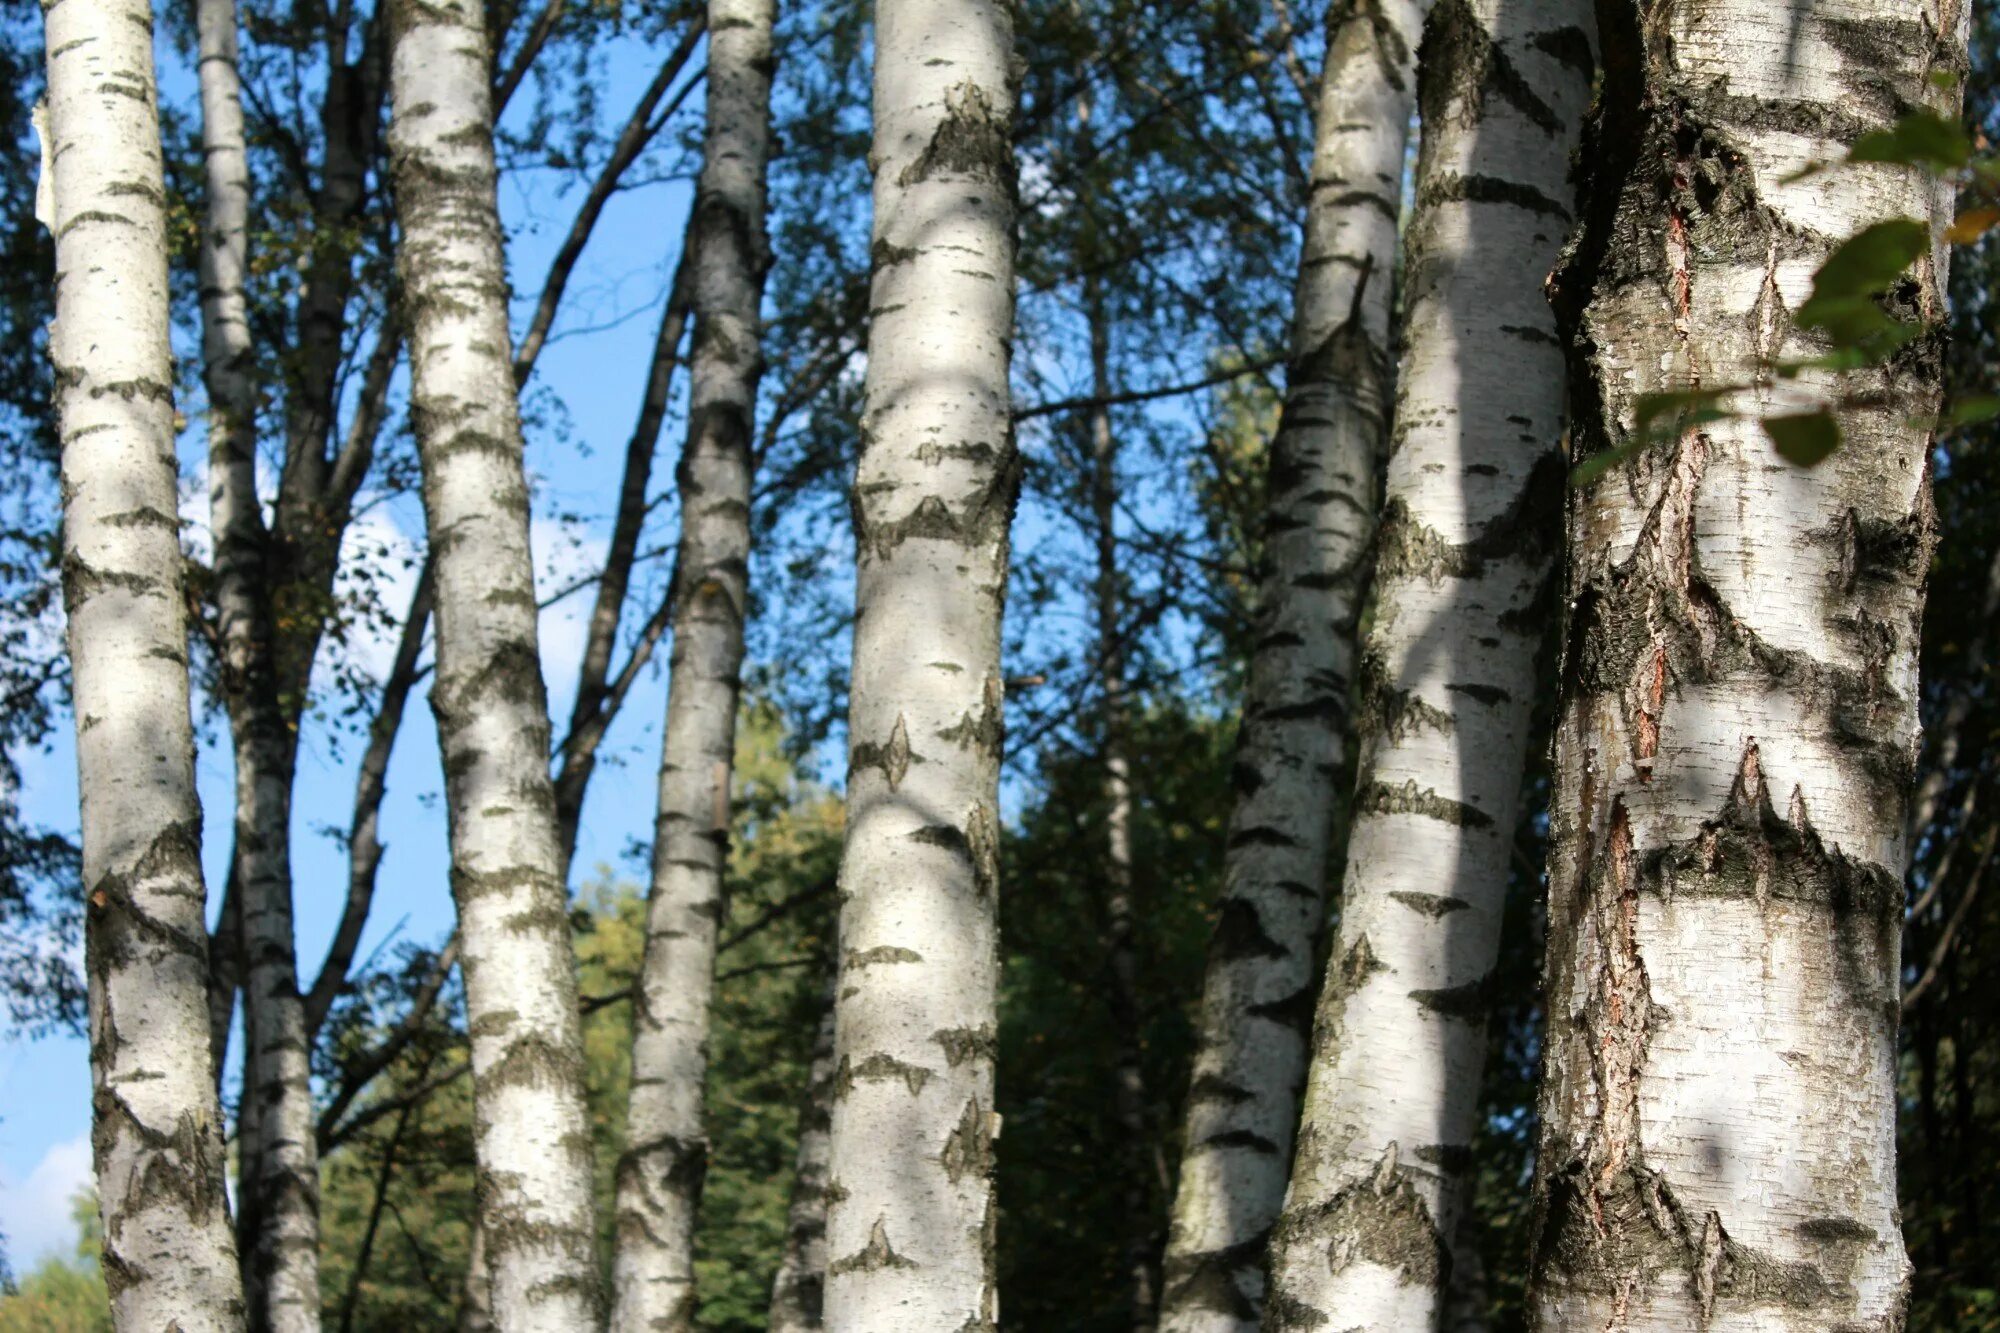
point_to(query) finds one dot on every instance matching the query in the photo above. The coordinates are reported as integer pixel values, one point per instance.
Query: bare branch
(638, 132)
(1243, 371)
(364, 843)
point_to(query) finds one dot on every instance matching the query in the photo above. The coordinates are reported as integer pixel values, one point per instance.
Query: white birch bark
(1256, 1007)
(156, 1132)
(1737, 730)
(660, 1173)
(1471, 522)
(278, 1202)
(531, 1132)
(910, 1214)
(798, 1292)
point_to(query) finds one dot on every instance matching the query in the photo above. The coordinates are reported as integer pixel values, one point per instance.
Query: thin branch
(360, 1073)
(364, 841)
(632, 140)
(1248, 368)
(531, 47)
(1942, 949)
(596, 703)
(777, 911)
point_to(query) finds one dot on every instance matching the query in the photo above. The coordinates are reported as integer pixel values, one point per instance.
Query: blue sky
(588, 381)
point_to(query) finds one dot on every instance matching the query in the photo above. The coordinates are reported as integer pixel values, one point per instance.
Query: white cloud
(35, 1212)
(565, 556)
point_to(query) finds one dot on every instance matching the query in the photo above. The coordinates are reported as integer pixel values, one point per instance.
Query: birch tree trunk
(278, 1203)
(1471, 522)
(798, 1292)
(910, 1214)
(1736, 737)
(666, 1157)
(531, 1133)
(156, 1125)
(1256, 1006)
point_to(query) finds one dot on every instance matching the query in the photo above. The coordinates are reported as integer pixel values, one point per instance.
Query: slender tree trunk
(1736, 735)
(156, 1131)
(1140, 1238)
(798, 1292)
(531, 1131)
(278, 1200)
(910, 1218)
(666, 1156)
(1471, 522)
(1257, 996)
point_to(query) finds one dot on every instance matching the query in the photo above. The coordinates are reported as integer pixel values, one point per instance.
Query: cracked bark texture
(1471, 523)
(660, 1173)
(1256, 1006)
(1737, 727)
(530, 1130)
(798, 1291)
(278, 1210)
(910, 1193)
(156, 1125)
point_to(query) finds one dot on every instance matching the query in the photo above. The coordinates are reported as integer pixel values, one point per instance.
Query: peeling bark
(1291, 754)
(910, 1197)
(531, 1130)
(156, 1124)
(1736, 734)
(666, 1156)
(1470, 528)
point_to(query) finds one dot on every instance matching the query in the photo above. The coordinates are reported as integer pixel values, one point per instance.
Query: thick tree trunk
(666, 1156)
(156, 1133)
(910, 1219)
(278, 1199)
(798, 1292)
(531, 1131)
(1471, 522)
(1737, 728)
(1257, 996)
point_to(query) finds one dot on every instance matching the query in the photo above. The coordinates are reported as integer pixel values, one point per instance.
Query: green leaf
(1804, 438)
(1870, 260)
(1856, 323)
(1686, 407)
(1972, 411)
(1595, 466)
(1920, 139)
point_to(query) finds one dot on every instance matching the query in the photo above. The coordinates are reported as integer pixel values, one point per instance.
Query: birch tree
(910, 1218)
(1471, 521)
(156, 1132)
(1737, 728)
(1256, 1005)
(279, 1208)
(660, 1173)
(530, 1132)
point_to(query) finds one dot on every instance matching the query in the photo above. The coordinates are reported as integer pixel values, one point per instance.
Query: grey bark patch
(1436, 906)
(1213, 1280)
(1468, 1002)
(973, 140)
(968, 1149)
(878, 1253)
(1381, 1220)
(1239, 934)
(1214, 1088)
(1294, 1011)
(881, 953)
(962, 1044)
(1409, 799)
(880, 1067)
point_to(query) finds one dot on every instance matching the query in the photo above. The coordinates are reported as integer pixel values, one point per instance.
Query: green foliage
(1064, 1162)
(63, 1295)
